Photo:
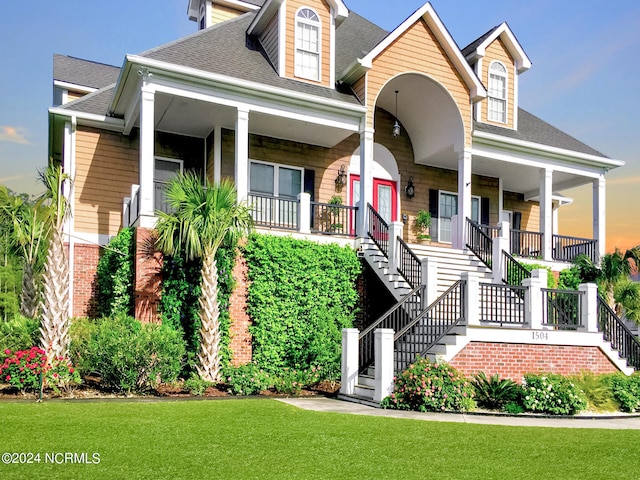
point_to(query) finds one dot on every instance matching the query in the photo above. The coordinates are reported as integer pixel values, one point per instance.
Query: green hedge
(115, 276)
(301, 296)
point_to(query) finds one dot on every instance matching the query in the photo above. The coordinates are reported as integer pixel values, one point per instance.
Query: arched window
(203, 16)
(307, 44)
(497, 92)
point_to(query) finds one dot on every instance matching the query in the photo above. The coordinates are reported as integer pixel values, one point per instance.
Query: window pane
(261, 179)
(385, 202)
(475, 210)
(289, 182)
(165, 170)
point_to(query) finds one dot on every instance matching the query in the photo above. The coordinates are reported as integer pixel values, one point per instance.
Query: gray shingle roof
(476, 43)
(223, 49)
(533, 129)
(83, 72)
(355, 37)
(258, 3)
(96, 102)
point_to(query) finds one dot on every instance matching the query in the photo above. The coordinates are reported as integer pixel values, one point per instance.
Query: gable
(497, 51)
(418, 50)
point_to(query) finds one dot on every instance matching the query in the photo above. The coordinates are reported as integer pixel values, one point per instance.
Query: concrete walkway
(323, 404)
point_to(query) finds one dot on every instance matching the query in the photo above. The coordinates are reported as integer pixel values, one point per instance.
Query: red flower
(8, 378)
(7, 352)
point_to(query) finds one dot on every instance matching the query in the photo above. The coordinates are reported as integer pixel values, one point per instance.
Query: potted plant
(423, 223)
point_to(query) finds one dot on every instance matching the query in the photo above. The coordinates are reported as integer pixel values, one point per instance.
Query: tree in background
(26, 235)
(202, 218)
(55, 306)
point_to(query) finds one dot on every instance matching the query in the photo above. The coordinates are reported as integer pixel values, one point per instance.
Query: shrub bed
(552, 394)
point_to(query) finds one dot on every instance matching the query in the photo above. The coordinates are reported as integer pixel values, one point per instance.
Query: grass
(266, 439)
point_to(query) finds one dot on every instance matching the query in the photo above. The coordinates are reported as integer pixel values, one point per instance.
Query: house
(306, 104)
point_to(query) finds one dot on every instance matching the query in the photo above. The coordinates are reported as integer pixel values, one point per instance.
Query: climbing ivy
(115, 276)
(301, 295)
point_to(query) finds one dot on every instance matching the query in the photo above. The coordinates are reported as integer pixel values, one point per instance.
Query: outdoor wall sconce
(396, 126)
(341, 179)
(410, 190)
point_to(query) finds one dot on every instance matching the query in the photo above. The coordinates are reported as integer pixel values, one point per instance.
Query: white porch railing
(131, 207)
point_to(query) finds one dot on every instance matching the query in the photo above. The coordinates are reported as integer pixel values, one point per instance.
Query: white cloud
(13, 134)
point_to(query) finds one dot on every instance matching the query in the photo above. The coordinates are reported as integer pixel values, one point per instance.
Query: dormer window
(307, 45)
(203, 16)
(497, 92)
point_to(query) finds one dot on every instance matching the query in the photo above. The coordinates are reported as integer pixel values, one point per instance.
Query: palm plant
(29, 231)
(613, 277)
(55, 306)
(202, 218)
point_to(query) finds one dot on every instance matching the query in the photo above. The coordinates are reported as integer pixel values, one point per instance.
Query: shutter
(516, 220)
(434, 203)
(309, 183)
(484, 211)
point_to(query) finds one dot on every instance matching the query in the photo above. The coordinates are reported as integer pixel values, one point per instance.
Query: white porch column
(472, 300)
(589, 306)
(305, 212)
(600, 214)
(217, 155)
(464, 198)
(366, 179)
(147, 156)
(242, 154)
(546, 212)
(383, 344)
(497, 259)
(429, 268)
(533, 298)
(349, 361)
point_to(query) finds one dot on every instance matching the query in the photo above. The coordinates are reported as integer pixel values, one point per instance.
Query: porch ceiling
(191, 117)
(523, 178)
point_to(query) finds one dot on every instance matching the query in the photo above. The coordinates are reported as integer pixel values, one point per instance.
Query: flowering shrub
(22, 369)
(626, 390)
(431, 387)
(552, 394)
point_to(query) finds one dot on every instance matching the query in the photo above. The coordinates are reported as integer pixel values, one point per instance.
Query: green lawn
(267, 439)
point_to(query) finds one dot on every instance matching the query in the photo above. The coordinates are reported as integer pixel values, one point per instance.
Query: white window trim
(440, 192)
(506, 92)
(276, 175)
(317, 24)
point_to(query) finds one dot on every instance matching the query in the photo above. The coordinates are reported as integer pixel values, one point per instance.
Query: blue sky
(584, 78)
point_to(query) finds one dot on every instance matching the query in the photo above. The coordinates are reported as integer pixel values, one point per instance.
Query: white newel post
(146, 165)
(383, 342)
(500, 243)
(533, 298)
(217, 155)
(395, 231)
(429, 269)
(242, 154)
(366, 180)
(349, 361)
(472, 298)
(455, 228)
(589, 306)
(305, 212)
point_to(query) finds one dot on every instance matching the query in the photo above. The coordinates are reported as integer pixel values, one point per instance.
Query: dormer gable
(498, 59)
(211, 12)
(298, 37)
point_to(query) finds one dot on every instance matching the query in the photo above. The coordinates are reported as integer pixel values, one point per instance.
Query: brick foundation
(85, 265)
(240, 344)
(510, 360)
(148, 266)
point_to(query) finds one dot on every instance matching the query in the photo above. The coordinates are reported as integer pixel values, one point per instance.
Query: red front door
(385, 199)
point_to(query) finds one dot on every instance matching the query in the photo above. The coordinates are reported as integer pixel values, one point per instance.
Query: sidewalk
(323, 404)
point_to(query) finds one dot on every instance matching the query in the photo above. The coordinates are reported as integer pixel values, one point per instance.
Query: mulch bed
(92, 389)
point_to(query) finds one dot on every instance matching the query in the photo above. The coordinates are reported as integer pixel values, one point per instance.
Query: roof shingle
(83, 72)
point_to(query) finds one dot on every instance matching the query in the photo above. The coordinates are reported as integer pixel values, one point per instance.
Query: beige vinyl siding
(221, 14)
(74, 95)
(497, 51)
(324, 13)
(106, 167)
(530, 211)
(417, 50)
(360, 89)
(269, 41)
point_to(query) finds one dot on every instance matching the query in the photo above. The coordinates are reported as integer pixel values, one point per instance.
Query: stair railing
(409, 265)
(618, 334)
(420, 335)
(514, 273)
(397, 317)
(378, 230)
(479, 242)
